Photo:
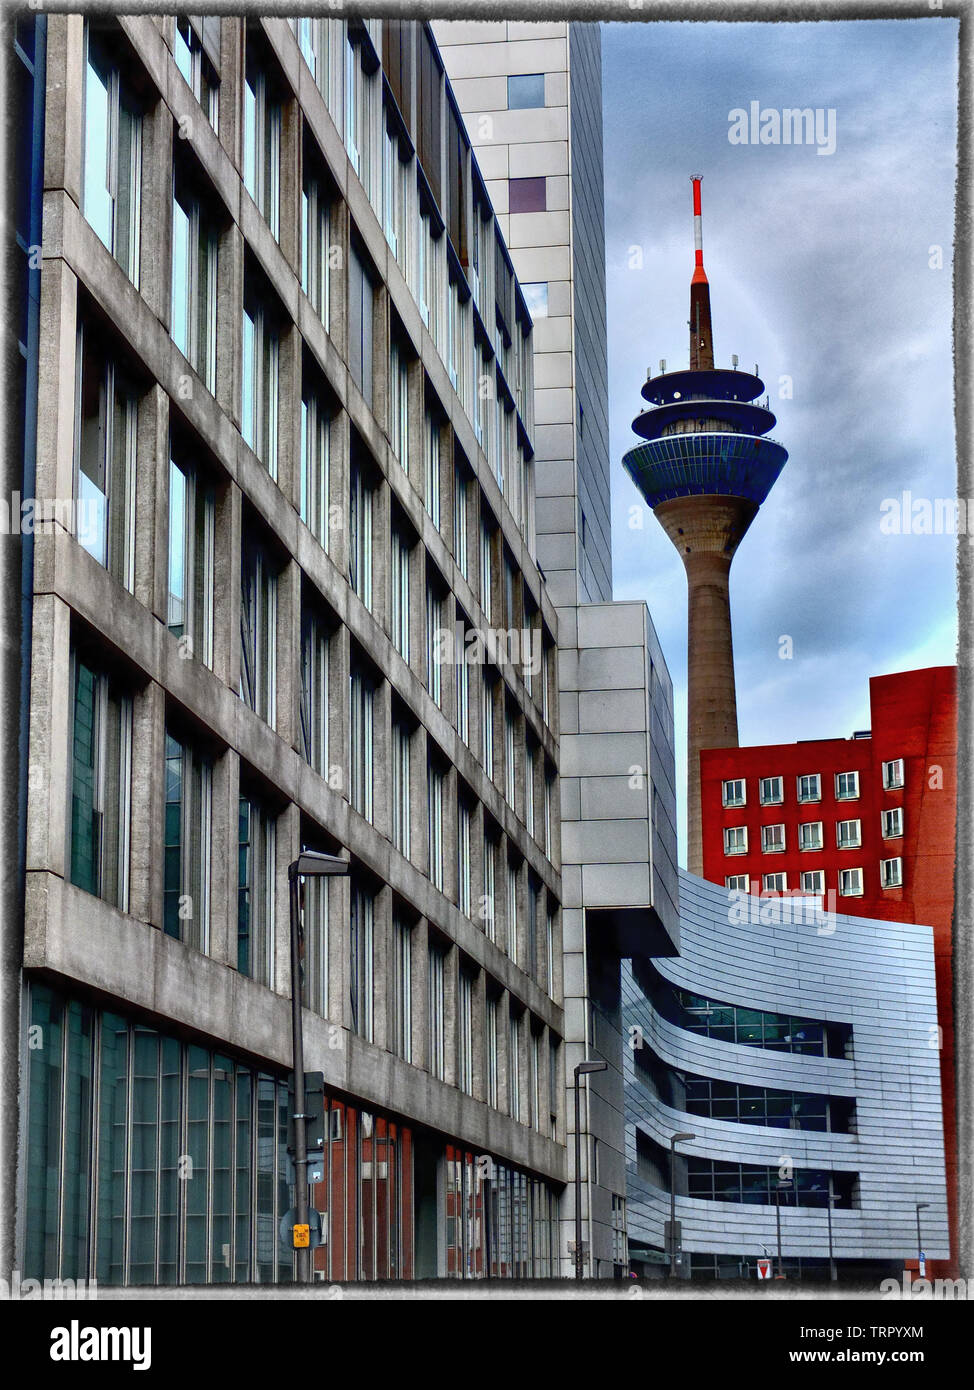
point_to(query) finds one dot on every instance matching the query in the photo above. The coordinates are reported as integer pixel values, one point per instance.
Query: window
(846, 786)
(529, 762)
(489, 911)
(486, 578)
(487, 723)
(527, 195)
(891, 873)
(490, 1051)
(549, 942)
(735, 792)
(192, 512)
(315, 465)
(360, 724)
(112, 175)
(361, 308)
(400, 788)
(536, 298)
(434, 624)
(194, 281)
(101, 784)
(510, 770)
(256, 878)
(893, 823)
(260, 384)
(354, 81)
(775, 883)
(462, 668)
(893, 775)
(548, 784)
(465, 1034)
(360, 534)
(316, 246)
(394, 192)
(813, 881)
(400, 594)
(512, 911)
(514, 1067)
(534, 898)
(399, 405)
(464, 818)
(258, 632)
(735, 839)
(848, 834)
(105, 460)
(810, 835)
(360, 959)
(314, 916)
(737, 882)
(850, 883)
(403, 984)
(810, 787)
(460, 520)
(772, 839)
(451, 356)
(534, 1080)
(525, 90)
(196, 67)
(437, 1011)
(431, 467)
(187, 846)
(262, 143)
(771, 791)
(314, 692)
(435, 780)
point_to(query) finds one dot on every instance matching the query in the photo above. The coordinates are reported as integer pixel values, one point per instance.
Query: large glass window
(188, 843)
(403, 985)
(435, 782)
(360, 534)
(262, 142)
(192, 512)
(464, 886)
(399, 405)
(434, 625)
(360, 952)
(715, 1180)
(751, 1027)
(315, 965)
(111, 184)
(260, 381)
(101, 784)
(437, 1011)
(361, 309)
(255, 890)
(431, 466)
(360, 726)
(525, 90)
(105, 442)
(316, 246)
(465, 1033)
(400, 594)
(192, 62)
(314, 691)
(315, 465)
(400, 788)
(460, 491)
(194, 282)
(258, 631)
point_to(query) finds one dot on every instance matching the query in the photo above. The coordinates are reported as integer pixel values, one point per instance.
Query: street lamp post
(309, 864)
(786, 1183)
(920, 1206)
(583, 1069)
(674, 1140)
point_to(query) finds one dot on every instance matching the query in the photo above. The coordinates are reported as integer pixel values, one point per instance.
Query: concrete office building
(531, 94)
(790, 1043)
(285, 373)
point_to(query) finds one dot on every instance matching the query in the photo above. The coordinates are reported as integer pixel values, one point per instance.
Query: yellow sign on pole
(302, 1236)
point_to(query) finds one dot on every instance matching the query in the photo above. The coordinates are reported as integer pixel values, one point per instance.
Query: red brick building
(868, 821)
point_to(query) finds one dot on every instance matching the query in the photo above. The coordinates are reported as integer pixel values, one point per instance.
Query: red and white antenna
(699, 273)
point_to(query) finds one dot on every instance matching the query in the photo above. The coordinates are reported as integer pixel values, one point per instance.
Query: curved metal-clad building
(790, 1042)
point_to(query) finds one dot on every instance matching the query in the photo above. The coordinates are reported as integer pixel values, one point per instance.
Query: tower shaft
(707, 530)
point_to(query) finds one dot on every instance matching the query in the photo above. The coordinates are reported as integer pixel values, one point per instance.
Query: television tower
(705, 468)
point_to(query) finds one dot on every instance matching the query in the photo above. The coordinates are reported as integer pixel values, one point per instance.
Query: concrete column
(451, 870)
(707, 530)
(229, 339)
(226, 584)
(480, 1035)
(64, 125)
(381, 532)
(155, 241)
(419, 963)
(382, 759)
(288, 668)
(152, 503)
(339, 897)
(450, 991)
(289, 416)
(231, 81)
(290, 189)
(339, 468)
(287, 846)
(419, 790)
(503, 1046)
(50, 734)
(148, 803)
(58, 347)
(339, 657)
(223, 858)
(380, 354)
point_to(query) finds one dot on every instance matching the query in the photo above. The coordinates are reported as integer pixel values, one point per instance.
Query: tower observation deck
(705, 466)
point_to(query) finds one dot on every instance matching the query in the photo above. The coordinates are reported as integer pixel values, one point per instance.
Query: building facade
(793, 1052)
(867, 823)
(531, 94)
(288, 598)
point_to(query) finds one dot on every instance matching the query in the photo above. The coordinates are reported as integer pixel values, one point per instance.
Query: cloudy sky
(821, 269)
